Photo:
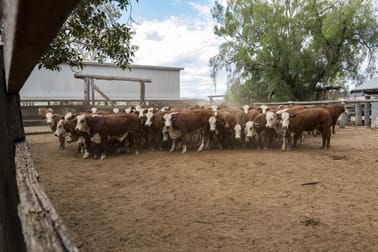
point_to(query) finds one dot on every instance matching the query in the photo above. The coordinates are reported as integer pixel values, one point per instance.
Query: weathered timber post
(343, 119)
(86, 92)
(142, 93)
(92, 92)
(367, 120)
(358, 115)
(11, 132)
(374, 114)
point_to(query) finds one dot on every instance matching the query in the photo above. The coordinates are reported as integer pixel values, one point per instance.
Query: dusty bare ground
(228, 200)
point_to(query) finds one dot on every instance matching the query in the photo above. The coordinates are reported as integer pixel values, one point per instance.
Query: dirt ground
(225, 200)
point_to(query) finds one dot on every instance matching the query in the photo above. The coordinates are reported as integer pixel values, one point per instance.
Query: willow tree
(93, 31)
(286, 50)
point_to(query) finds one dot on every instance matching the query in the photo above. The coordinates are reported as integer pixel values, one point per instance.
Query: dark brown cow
(265, 135)
(225, 124)
(155, 124)
(115, 126)
(336, 111)
(311, 119)
(189, 121)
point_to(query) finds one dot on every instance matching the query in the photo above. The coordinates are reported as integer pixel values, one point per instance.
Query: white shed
(44, 84)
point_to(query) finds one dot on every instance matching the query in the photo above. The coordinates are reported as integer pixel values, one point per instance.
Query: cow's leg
(62, 141)
(291, 141)
(328, 140)
(136, 140)
(333, 127)
(324, 139)
(87, 143)
(284, 140)
(183, 141)
(204, 137)
(173, 146)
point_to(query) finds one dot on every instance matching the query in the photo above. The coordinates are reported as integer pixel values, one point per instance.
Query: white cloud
(181, 41)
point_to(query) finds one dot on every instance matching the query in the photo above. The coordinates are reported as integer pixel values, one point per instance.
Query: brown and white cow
(116, 126)
(188, 121)
(307, 120)
(57, 121)
(250, 129)
(225, 126)
(155, 123)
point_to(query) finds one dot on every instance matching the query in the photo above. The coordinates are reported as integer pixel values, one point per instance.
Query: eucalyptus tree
(286, 50)
(94, 31)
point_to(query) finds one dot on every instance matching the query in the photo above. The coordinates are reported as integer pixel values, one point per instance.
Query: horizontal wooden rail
(111, 78)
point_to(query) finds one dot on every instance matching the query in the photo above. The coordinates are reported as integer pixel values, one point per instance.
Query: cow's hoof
(136, 152)
(103, 156)
(86, 155)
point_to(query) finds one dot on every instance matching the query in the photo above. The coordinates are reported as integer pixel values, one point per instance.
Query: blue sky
(178, 33)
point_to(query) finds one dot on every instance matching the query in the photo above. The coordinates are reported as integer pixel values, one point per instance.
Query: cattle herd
(100, 132)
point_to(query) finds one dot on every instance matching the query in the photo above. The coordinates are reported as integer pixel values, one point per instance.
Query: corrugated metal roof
(367, 86)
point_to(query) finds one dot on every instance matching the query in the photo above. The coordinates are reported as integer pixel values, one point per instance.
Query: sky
(177, 33)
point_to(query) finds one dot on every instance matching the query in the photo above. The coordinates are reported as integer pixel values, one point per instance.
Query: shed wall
(54, 85)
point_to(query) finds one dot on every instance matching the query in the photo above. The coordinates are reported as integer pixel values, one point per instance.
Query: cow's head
(60, 130)
(213, 107)
(245, 108)
(271, 119)
(93, 110)
(165, 109)
(115, 110)
(237, 129)
(285, 119)
(169, 119)
(213, 122)
(149, 116)
(46, 113)
(249, 130)
(81, 123)
(264, 108)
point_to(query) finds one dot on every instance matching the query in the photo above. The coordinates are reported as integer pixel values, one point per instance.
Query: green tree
(93, 32)
(286, 50)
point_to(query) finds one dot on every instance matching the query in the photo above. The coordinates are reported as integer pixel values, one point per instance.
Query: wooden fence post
(358, 115)
(367, 120)
(343, 119)
(374, 114)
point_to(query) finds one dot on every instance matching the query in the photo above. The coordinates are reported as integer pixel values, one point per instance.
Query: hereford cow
(189, 121)
(56, 121)
(225, 125)
(307, 120)
(250, 129)
(116, 126)
(46, 113)
(155, 123)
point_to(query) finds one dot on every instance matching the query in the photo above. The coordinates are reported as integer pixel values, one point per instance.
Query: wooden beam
(110, 78)
(29, 28)
(102, 94)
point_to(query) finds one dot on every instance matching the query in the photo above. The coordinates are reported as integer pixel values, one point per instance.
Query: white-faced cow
(307, 120)
(188, 121)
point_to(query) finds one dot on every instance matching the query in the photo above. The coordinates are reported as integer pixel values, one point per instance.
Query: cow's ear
(173, 117)
(259, 109)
